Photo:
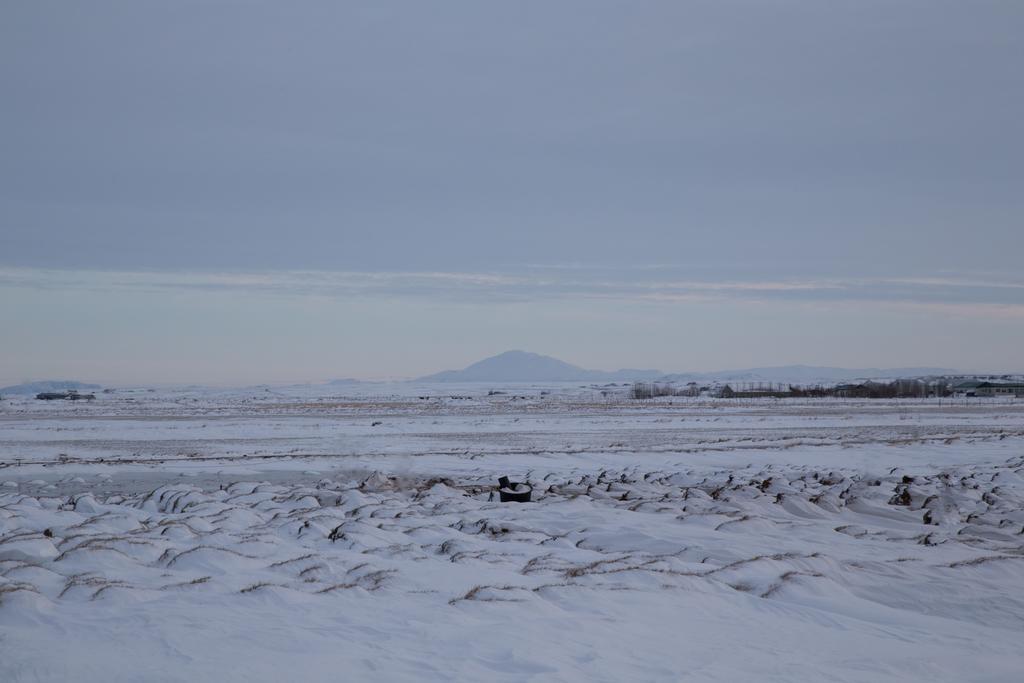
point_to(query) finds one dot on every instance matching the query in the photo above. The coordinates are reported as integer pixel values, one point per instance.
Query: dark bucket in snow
(513, 491)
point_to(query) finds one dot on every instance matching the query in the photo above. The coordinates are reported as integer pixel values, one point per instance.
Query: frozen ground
(288, 535)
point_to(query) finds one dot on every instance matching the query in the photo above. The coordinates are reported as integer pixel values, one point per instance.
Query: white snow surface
(267, 535)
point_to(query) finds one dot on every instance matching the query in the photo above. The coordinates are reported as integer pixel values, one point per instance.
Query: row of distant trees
(647, 390)
(902, 388)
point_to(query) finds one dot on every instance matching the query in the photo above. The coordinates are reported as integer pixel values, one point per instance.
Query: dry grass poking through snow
(774, 532)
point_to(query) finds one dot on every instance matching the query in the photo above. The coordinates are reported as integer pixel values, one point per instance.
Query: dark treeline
(902, 388)
(645, 390)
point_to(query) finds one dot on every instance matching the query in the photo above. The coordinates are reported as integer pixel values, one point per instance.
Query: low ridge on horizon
(49, 385)
(526, 366)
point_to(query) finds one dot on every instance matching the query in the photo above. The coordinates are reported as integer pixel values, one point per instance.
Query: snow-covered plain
(293, 535)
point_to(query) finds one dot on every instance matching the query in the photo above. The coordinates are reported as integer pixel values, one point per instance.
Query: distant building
(52, 395)
(967, 388)
(70, 395)
(1015, 389)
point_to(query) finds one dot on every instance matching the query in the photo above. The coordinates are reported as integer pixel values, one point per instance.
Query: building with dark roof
(1015, 389)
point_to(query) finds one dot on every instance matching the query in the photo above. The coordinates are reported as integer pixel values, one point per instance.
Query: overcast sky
(239, 192)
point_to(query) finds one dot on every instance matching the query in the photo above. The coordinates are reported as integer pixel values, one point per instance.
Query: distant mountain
(807, 374)
(48, 385)
(521, 366)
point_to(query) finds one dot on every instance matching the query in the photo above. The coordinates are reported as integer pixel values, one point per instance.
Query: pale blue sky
(235, 192)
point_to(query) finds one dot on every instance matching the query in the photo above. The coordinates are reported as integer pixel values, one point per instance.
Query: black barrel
(513, 491)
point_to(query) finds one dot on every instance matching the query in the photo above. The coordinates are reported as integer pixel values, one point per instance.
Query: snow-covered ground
(294, 535)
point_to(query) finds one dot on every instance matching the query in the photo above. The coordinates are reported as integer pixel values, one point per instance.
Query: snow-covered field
(295, 535)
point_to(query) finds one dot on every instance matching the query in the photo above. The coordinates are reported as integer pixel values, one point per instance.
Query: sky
(230, 192)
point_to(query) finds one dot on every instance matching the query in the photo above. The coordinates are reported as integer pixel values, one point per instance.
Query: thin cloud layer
(955, 295)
